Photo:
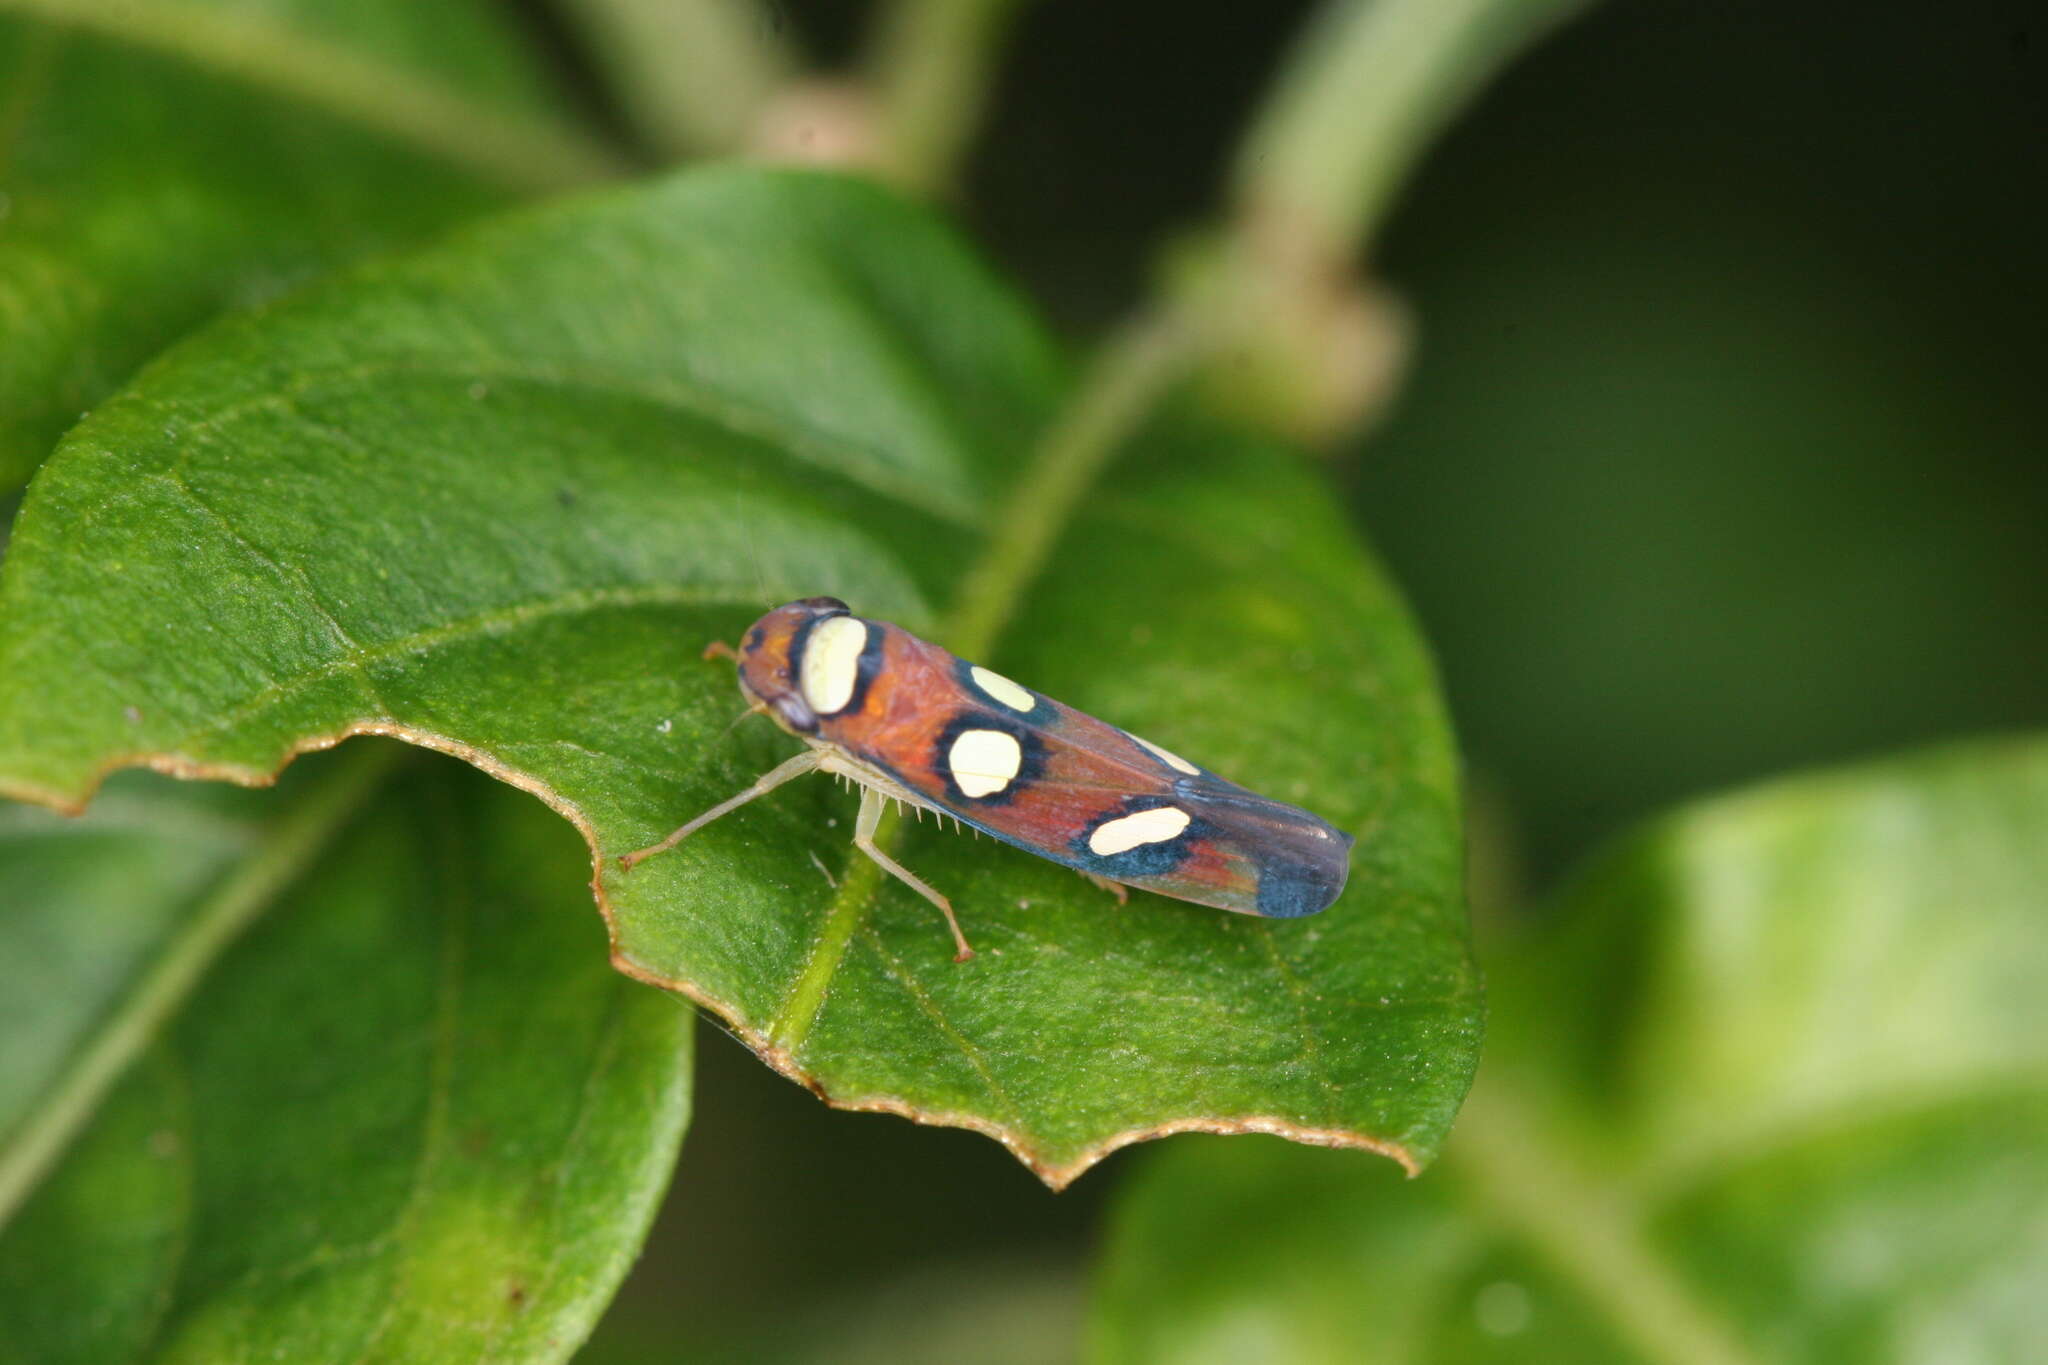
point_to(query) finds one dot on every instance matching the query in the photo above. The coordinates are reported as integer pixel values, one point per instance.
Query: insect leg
(1117, 889)
(768, 782)
(864, 839)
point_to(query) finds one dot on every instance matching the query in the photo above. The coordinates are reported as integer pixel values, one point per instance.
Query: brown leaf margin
(1056, 1175)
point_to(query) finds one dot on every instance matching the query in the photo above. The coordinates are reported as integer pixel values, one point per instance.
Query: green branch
(1129, 376)
(692, 77)
(931, 76)
(1368, 85)
(1307, 347)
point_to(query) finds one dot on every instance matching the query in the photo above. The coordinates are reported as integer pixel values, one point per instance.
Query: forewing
(1059, 783)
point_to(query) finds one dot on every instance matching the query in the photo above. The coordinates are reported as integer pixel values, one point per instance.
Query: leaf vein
(823, 450)
(287, 577)
(930, 1009)
(495, 620)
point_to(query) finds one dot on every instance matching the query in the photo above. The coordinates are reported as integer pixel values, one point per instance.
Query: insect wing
(1066, 786)
(1196, 837)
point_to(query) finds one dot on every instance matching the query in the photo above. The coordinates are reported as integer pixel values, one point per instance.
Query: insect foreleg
(768, 782)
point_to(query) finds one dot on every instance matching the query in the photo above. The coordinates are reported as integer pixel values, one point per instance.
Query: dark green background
(1722, 454)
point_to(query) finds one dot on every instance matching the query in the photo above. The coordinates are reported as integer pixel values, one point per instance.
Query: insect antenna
(746, 529)
(759, 708)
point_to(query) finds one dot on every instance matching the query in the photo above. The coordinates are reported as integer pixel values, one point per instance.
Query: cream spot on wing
(984, 762)
(832, 662)
(1002, 689)
(1173, 760)
(1146, 827)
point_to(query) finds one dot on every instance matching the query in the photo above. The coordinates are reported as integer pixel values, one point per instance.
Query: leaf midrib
(483, 623)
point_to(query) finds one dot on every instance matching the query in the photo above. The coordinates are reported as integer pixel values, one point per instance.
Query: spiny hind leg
(767, 782)
(870, 816)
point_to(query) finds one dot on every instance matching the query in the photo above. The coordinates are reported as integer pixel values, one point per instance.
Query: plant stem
(1575, 1223)
(931, 75)
(290, 845)
(1369, 83)
(511, 148)
(692, 76)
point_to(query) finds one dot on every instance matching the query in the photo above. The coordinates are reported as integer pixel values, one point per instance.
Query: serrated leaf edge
(1057, 1175)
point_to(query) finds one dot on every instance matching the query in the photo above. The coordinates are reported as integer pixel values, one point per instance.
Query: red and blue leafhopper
(910, 722)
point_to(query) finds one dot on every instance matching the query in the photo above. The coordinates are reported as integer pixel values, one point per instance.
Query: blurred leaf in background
(167, 159)
(1769, 1089)
(411, 1115)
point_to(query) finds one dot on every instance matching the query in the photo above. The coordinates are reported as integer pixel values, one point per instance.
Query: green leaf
(408, 1115)
(496, 498)
(161, 160)
(1771, 1090)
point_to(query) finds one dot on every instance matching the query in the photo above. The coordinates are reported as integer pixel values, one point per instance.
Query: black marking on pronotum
(1030, 766)
(1041, 712)
(865, 668)
(1155, 859)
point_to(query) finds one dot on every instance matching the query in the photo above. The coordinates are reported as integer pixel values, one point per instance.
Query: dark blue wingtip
(1289, 890)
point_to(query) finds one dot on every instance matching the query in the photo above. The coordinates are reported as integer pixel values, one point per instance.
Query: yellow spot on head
(831, 662)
